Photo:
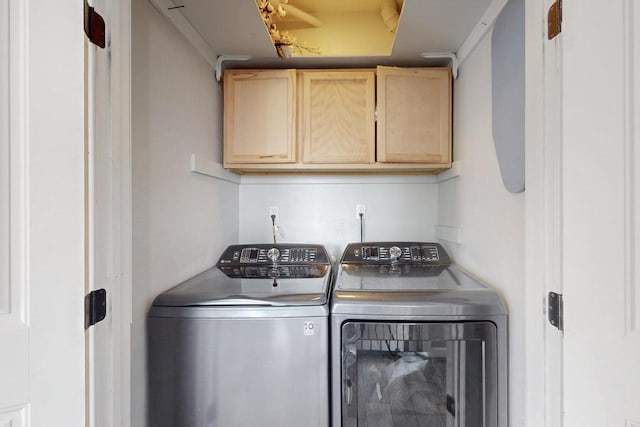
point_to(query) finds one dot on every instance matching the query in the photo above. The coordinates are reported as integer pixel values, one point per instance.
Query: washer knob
(395, 253)
(273, 254)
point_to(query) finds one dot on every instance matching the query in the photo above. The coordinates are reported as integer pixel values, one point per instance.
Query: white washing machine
(415, 341)
(245, 343)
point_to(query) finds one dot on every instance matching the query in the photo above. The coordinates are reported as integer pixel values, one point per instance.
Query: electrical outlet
(361, 209)
(273, 210)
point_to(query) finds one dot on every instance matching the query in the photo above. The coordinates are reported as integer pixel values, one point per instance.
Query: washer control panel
(266, 254)
(396, 252)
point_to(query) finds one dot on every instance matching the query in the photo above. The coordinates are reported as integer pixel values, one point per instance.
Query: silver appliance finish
(244, 343)
(415, 309)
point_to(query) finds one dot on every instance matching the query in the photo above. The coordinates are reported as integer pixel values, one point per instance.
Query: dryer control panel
(422, 253)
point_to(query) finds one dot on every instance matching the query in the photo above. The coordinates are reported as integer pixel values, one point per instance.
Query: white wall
(323, 209)
(491, 219)
(181, 221)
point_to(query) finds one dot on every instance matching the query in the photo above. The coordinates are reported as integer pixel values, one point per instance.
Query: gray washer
(415, 340)
(244, 343)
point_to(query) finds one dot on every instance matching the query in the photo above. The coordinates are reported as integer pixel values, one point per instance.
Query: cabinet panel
(259, 119)
(414, 115)
(337, 111)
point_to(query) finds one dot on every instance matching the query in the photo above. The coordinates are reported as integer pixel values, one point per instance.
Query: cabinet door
(337, 111)
(259, 116)
(414, 115)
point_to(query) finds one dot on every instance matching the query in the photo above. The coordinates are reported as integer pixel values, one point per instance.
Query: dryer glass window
(419, 374)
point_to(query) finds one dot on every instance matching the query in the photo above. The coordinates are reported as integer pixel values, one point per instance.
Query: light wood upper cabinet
(324, 120)
(259, 116)
(414, 115)
(337, 110)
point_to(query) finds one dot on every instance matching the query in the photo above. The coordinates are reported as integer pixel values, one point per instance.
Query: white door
(601, 212)
(42, 213)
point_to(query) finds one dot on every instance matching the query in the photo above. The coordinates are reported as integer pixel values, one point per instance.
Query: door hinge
(94, 26)
(95, 307)
(555, 310)
(554, 20)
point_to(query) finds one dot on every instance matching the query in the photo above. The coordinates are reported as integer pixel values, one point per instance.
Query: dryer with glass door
(415, 341)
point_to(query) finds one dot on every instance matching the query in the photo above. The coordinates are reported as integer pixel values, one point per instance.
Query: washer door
(419, 374)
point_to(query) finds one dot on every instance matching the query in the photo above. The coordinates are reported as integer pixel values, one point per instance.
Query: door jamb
(543, 263)
(122, 225)
(117, 223)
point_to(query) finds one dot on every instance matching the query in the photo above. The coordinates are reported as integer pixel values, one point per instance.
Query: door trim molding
(543, 263)
(631, 192)
(18, 148)
(122, 210)
(115, 225)
(14, 312)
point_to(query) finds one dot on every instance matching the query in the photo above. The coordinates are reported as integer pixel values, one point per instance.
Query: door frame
(115, 224)
(121, 224)
(543, 345)
(543, 218)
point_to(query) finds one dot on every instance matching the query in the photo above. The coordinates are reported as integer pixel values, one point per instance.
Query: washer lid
(278, 286)
(411, 290)
(255, 275)
(395, 278)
